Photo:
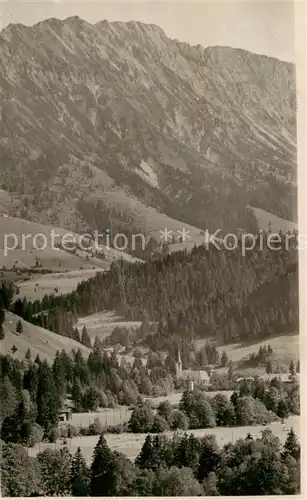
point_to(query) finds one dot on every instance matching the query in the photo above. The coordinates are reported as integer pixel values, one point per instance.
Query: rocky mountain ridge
(117, 110)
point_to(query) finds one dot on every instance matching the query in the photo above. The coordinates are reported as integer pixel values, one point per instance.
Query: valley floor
(130, 444)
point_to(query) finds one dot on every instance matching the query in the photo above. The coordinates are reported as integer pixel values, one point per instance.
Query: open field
(267, 220)
(44, 236)
(101, 324)
(285, 348)
(131, 444)
(53, 283)
(40, 341)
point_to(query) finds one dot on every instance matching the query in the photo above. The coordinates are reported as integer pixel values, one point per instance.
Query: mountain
(153, 128)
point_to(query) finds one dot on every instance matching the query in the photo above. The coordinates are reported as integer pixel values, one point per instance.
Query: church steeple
(179, 356)
(179, 365)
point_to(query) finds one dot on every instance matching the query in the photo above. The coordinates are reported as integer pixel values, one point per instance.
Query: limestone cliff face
(147, 111)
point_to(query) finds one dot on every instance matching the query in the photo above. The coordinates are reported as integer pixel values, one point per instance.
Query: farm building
(65, 413)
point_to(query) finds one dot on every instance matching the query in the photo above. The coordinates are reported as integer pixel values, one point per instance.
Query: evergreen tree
(291, 446)
(298, 367)
(103, 480)
(269, 368)
(85, 338)
(224, 359)
(79, 476)
(19, 327)
(143, 460)
(76, 395)
(291, 368)
(76, 335)
(28, 355)
(282, 409)
(46, 402)
(209, 457)
(37, 360)
(55, 466)
(8, 397)
(2, 318)
(187, 452)
(230, 371)
(20, 474)
(17, 427)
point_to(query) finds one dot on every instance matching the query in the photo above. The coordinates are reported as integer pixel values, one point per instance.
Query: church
(198, 377)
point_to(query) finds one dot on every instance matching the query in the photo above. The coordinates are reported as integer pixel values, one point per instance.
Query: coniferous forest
(188, 295)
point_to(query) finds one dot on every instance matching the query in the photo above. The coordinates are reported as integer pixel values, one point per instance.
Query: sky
(264, 27)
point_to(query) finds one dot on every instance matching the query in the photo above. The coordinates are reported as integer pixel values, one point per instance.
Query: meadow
(131, 444)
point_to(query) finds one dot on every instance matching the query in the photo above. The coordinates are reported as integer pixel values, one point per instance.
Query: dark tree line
(203, 293)
(254, 403)
(98, 381)
(177, 466)
(6, 296)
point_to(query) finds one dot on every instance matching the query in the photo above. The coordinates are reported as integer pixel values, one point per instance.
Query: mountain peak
(164, 118)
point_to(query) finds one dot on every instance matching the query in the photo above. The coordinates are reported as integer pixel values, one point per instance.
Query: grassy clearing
(53, 283)
(40, 236)
(131, 444)
(101, 324)
(285, 348)
(38, 340)
(267, 220)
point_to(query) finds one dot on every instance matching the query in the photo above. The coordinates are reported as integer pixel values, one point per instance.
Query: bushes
(179, 420)
(68, 431)
(159, 424)
(54, 434)
(36, 435)
(142, 418)
(97, 428)
(224, 411)
(198, 409)
(251, 411)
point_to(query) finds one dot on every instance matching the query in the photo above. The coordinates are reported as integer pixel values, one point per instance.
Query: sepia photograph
(149, 248)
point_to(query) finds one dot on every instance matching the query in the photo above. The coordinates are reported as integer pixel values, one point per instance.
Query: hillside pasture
(56, 284)
(268, 221)
(39, 340)
(102, 324)
(35, 241)
(285, 348)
